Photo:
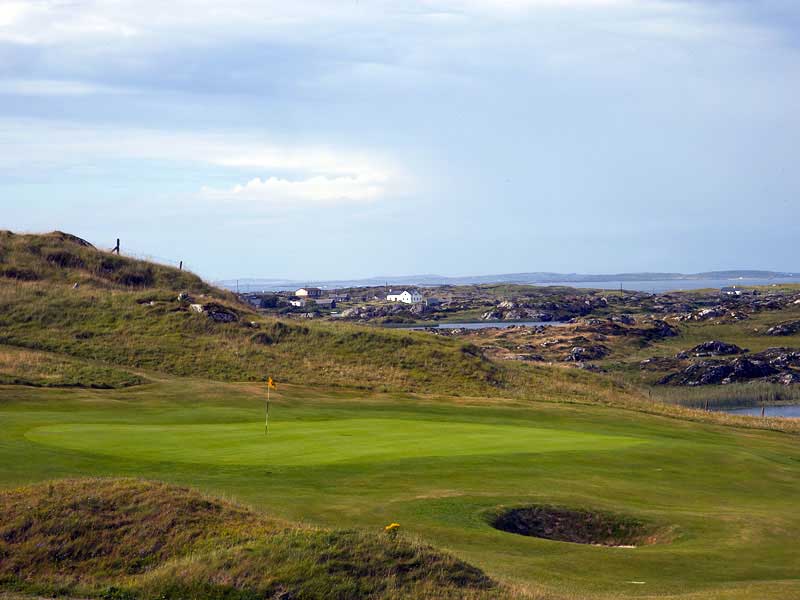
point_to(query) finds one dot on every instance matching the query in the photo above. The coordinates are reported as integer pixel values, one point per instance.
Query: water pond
(481, 325)
(791, 411)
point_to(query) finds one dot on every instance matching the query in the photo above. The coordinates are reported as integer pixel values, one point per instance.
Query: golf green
(299, 443)
(342, 459)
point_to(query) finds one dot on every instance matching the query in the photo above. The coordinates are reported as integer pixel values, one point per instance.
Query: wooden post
(763, 409)
(180, 266)
(116, 248)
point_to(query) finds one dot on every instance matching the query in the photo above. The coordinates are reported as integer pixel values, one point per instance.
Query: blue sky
(324, 139)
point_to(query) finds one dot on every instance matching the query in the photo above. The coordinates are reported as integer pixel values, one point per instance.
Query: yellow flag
(271, 384)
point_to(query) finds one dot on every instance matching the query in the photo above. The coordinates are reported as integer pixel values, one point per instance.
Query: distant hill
(536, 278)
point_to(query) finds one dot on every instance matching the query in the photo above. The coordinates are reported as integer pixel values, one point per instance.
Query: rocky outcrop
(584, 353)
(368, 312)
(777, 365)
(216, 312)
(508, 311)
(788, 328)
(624, 319)
(711, 348)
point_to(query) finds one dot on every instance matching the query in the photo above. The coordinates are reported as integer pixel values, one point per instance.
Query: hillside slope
(62, 257)
(129, 313)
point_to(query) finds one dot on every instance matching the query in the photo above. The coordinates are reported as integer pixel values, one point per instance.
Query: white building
(298, 302)
(731, 291)
(311, 292)
(406, 297)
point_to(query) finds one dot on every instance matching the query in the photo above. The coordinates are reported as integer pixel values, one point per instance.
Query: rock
(528, 357)
(780, 358)
(184, 297)
(745, 368)
(787, 328)
(757, 366)
(789, 378)
(624, 319)
(661, 329)
(712, 348)
(216, 312)
(584, 353)
(709, 313)
(700, 373)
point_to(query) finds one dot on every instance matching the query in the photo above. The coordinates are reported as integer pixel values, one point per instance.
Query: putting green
(299, 443)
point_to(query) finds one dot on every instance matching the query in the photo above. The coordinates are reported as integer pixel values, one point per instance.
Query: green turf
(348, 459)
(308, 443)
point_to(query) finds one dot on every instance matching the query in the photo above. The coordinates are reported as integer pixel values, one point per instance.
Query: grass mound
(576, 526)
(94, 530)
(129, 539)
(318, 565)
(63, 257)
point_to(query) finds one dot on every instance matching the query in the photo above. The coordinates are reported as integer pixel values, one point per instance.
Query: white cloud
(316, 190)
(280, 174)
(26, 142)
(54, 87)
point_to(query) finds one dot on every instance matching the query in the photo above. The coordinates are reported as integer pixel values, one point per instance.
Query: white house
(298, 302)
(731, 291)
(311, 292)
(406, 297)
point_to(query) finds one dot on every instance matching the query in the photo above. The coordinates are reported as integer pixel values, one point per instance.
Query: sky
(323, 139)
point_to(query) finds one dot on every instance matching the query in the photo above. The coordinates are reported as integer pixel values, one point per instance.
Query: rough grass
(132, 539)
(152, 330)
(60, 257)
(41, 369)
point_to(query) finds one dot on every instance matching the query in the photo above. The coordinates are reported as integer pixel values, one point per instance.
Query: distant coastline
(647, 282)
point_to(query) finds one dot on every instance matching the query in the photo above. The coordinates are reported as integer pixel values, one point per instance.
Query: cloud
(46, 144)
(318, 190)
(285, 175)
(54, 87)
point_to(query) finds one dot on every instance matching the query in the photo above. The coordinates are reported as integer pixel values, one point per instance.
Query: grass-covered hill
(127, 539)
(59, 257)
(127, 312)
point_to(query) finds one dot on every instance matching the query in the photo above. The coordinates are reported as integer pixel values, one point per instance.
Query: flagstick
(266, 420)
